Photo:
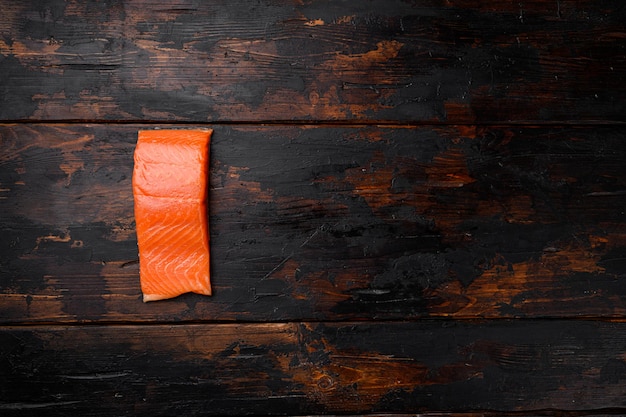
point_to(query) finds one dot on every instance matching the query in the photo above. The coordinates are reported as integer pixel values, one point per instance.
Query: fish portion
(170, 190)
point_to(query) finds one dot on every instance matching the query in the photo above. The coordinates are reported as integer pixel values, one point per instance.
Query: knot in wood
(325, 382)
(314, 97)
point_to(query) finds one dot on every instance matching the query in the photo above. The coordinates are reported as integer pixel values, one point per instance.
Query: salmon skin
(170, 190)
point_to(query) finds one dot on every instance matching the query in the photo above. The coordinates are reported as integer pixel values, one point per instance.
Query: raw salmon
(170, 190)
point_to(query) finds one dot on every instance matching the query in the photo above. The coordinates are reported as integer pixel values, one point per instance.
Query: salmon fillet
(170, 191)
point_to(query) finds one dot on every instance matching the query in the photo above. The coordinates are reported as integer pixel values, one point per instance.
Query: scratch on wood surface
(96, 376)
(26, 406)
(606, 193)
(281, 263)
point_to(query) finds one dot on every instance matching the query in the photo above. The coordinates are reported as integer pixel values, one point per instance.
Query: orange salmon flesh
(170, 189)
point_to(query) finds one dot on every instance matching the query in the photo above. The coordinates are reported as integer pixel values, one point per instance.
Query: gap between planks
(317, 123)
(349, 322)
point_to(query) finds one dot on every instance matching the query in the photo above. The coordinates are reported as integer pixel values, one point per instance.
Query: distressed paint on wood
(327, 223)
(494, 189)
(443, 61)
(313, 368)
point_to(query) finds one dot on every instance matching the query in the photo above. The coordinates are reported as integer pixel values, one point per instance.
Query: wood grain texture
(306, 368)
(382, 60)
(327, 223)
(416, 207)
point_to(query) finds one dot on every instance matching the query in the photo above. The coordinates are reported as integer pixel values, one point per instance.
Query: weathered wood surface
(327, 223)
(235, 369)
(434, 60)
(383, 173)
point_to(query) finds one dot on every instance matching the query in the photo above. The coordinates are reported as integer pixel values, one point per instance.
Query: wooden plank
(542, 413)
(388, 60)
(269, 369)
(327, 223)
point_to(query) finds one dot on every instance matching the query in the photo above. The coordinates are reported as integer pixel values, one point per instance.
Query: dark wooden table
(415, 207)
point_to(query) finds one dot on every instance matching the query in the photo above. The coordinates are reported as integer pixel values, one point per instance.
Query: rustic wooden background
(415, 207)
